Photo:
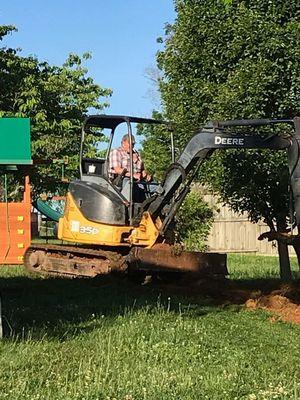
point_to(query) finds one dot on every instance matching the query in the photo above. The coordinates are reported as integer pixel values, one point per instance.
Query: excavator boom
(212, 137)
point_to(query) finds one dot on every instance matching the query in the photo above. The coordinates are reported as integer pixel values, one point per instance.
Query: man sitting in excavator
(119, 169)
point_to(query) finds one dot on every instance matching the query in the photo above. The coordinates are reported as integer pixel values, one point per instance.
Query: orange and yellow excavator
(108, 232)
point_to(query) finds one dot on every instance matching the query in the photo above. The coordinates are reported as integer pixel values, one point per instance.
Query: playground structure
(15, 155)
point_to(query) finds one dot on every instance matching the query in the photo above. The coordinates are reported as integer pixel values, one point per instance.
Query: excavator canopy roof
(112, 121)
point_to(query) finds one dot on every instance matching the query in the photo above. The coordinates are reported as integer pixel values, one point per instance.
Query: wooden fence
(234, 233)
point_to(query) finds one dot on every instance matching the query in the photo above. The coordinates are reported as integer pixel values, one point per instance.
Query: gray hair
(125, 138)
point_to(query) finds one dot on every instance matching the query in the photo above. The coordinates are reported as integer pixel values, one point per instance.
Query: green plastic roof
(15, 141)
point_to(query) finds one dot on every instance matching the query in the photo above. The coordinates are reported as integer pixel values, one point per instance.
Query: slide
(44, 208)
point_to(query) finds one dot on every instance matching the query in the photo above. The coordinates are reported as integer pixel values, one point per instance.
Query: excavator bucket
(166, 258)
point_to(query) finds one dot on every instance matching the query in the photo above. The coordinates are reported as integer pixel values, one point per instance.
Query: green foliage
(156, 143)
(193, 222)
(235, 59)
(254, 181)
(56, 98)
(235, 62)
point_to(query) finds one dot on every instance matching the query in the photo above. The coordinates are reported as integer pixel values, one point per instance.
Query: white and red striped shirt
(120, 158)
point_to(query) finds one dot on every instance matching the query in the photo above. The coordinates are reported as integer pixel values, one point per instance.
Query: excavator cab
(96, 170)
(95, 203)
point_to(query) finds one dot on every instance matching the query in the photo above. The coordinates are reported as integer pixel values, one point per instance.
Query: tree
(236, 59)
(57, 99)
(156, 146)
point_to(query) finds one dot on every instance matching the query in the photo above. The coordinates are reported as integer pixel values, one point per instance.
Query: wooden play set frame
(15, 217)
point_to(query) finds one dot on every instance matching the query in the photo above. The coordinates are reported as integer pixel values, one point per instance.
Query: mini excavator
(108, 232)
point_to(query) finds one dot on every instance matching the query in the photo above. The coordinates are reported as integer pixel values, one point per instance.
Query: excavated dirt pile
(282, 300)
(279, 303)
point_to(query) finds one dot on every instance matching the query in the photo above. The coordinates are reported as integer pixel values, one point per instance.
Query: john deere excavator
(109, 232)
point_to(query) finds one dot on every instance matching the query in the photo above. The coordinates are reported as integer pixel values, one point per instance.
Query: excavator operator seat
(94, 166)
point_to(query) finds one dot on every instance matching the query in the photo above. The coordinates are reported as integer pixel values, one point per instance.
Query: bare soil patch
(281, 299)
(282, 306)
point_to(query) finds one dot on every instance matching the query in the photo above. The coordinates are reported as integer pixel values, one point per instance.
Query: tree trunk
(284, 259)
(284, 262)
(296, 247)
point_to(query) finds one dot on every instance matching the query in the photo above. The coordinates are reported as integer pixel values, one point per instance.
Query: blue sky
(120, 34)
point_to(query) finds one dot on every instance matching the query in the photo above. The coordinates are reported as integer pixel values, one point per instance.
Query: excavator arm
(212, 136)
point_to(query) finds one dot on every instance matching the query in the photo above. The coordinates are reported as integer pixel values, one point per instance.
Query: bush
(193, 222)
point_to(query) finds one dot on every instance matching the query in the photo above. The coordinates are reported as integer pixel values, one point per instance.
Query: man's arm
(115, 162)
(147, 177)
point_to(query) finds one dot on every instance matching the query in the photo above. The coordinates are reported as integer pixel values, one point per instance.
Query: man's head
(125, 142)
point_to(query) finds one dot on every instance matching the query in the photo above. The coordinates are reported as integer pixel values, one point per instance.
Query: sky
(120, 34)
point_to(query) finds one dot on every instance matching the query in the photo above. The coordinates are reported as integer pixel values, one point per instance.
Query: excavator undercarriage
(76, 261)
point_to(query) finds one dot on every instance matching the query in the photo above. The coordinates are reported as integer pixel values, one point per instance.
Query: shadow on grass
(28, 302)
(52, 306)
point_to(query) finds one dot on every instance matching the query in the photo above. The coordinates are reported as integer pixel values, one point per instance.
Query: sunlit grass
(109, 339)
(245, 266)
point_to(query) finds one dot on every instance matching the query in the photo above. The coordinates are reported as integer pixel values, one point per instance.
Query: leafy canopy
(235, 59)
(57, 99)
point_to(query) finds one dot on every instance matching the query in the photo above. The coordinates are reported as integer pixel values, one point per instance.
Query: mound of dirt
(282, 300)
(278, 304)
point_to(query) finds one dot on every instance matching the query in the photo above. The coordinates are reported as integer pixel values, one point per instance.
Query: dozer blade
(165, 258)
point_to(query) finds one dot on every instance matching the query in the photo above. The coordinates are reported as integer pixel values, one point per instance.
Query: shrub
(193, 222)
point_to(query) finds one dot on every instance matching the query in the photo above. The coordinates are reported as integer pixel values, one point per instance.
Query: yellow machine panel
(74, 227)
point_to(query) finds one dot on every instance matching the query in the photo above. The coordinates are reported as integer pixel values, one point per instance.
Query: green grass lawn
(109, 339)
